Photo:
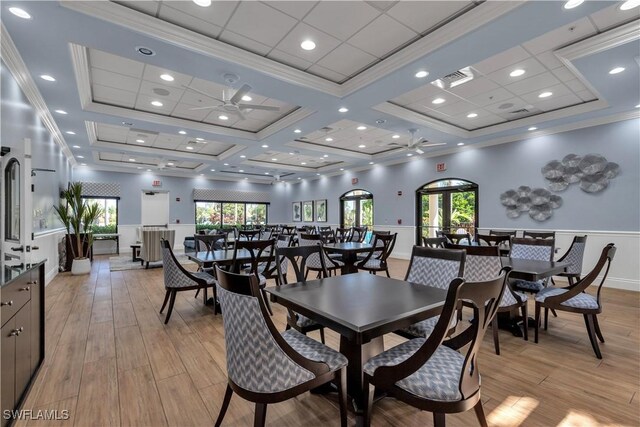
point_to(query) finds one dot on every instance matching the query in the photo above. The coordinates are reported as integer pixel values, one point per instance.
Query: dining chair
(435, 268)
(316, 262)
(434, 242)
(575, 299)
(510, 233)
(343, 235)
(258, 249)
(539, 235)
(457, 238)
(376, 258)
(328, 236)
(177, 279)
(209, 242)
(531, 249)
(324, 228)
(264, 366)
(298, 257)
(249, 234)
(358, 234)
(574, 257)
(430, 373)
(269, 269)
(489, 240)
(290, 230)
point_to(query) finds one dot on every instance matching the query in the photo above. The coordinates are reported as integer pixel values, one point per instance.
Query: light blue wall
(132, 185)
(496, 169)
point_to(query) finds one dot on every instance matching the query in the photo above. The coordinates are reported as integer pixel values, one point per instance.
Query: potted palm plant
(78, 217)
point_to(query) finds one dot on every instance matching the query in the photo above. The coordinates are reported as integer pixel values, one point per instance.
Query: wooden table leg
(349, 259)
(358, 355)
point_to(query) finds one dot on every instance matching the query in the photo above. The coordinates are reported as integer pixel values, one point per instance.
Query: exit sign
(441, 167)
(354, 181)
(157, 183)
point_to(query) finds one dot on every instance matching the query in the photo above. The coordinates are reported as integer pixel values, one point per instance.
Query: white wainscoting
(47, 242)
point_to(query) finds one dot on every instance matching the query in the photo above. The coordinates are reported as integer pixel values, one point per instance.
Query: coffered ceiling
(346, 104)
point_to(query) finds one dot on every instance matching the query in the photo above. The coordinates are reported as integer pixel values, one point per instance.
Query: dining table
(349, 252)
(361, 308)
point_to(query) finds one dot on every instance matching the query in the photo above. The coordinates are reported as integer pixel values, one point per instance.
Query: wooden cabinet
(22, 340)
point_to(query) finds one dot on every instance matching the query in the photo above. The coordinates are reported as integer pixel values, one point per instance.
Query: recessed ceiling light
(189, 147)
(460, 143)
(616, 70)
(395, 136)
(545, 94)
(629, 4)
(409, 154)
(361, 127)
(517, 72)
(47, 77)
(61, 112)
(325, 156)
(299, 178)
(532, 128)
(223, 117)
(303, 163)
(181, 132)
(328, 139)
(226, 164)
(246, 177)
(20, 13)
(247, 98)
(308, 45)
(83, 164)
(370, 163)
(637, 106)
(148, 170)
(145, 51)
(139, 167)
(157, 103)
(76, 146)
(141, 141)
(170, 164)
(291, 153)
(438, 101)
(132, 159)
(167, 77)
(70, 132)
(80, 157)
(343, 109)
(199, 139)
(264, 146)
(274, 160)
(213, 170)
(362, 146)
(243, 156)
(297, 131)
(422, 74)
(203, 3)
(341, 169)
(472, 115)
(241, 170)
(318, 174)
(573, 3)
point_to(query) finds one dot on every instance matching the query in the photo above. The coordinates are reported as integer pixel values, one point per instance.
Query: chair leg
(215, 300)
(225, 405)
(171, 302)
(525, 321)
(368, 391)
(480, 414)
(588, 321)
(166, 299)
(554, 313)
(204, 294)
(597, 327)
(266, 301)
(306, 273)
(546, 318)
(322, 335)
(261, 415)
(386, 270)
(341, 381)
(438, 419)
(496, 342)
(197, 293)
(537, 322)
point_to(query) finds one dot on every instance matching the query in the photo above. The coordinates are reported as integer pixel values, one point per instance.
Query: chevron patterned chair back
(538, 249)
(574, 256)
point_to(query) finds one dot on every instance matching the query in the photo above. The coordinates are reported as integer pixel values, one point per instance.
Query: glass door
(356, 209)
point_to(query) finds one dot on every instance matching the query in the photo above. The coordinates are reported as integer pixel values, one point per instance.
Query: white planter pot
(81, 266)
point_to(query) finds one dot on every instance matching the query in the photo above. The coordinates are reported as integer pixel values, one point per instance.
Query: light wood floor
(110, 360)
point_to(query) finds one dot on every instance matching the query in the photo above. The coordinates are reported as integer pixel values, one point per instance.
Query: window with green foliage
(213, 215)
(356, 209)
(107, 223)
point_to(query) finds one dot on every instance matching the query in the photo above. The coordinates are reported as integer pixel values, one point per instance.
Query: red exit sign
(157, 183)
(354, 181)
(441, 167)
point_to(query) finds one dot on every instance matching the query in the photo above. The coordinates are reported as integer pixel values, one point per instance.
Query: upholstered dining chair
(177, 279)
(298, 257)
(376, 258)
(488, 240)
(269, 269)
(343, 235)
(429, 373)
(509, 233)
(435, 268)
(358, 234)
(258, 249)
(574, 256)
(575, 299)
(314, 263)
(531, 249)
(249, 234)
(457, 238)
(264, 366)
(434, 242)
(539, 234)
(208, 243)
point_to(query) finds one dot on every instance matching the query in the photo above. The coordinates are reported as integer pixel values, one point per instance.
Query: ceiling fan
(232, 104)
(415, 144)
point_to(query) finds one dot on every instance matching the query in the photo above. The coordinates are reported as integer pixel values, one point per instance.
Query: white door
(16, 204)
(155, 208)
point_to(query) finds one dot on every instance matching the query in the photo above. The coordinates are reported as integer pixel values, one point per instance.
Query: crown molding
(20, 72)
(294, 168)
(601, 42)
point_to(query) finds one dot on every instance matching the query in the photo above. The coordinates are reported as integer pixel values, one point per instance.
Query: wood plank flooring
(110, 361)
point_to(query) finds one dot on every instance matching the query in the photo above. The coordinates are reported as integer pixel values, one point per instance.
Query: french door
(356, 209)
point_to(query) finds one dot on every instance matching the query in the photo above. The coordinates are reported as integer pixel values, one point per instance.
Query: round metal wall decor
(538, 202)
(592, 172)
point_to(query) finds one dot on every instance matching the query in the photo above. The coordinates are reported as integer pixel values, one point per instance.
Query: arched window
(449, 205)
(356, 209)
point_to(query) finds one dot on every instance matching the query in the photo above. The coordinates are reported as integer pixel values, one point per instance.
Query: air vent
(326, 129)
(454, 79)
(520, 111)
(144, 131)
(454, 76)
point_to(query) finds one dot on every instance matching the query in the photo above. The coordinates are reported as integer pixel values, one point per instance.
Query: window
(356, 209)
(212, 215)
(107, 223)
(449, 205)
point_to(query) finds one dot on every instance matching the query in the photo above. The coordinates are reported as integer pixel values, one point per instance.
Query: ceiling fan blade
(204, 108)
(237, 97)
(433, 144)
(202, 93)
(258, 107)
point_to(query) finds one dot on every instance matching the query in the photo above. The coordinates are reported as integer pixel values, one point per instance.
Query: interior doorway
(154, 208)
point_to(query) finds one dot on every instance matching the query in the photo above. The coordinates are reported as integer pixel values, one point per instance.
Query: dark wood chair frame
(248, 285)
(209, 240)
(572, 277)
(250, 235)
(256, 248)
(170, 295)
(510, 234)
(333, 267)
(270, 272)
(484, 298)
(539, 234)
(490, 240)
(389, 242)
(297, 257)
(434, 242)
(590, 315)
(343, 235)
(358, 234)
(456, 238)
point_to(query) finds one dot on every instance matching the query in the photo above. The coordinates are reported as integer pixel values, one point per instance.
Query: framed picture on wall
(307, 211)
(297, 211)
(321, 210)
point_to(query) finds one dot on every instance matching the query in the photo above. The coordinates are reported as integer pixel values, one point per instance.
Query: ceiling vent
(520, 111)
(326, 129)
(144, 131)
(455, 79)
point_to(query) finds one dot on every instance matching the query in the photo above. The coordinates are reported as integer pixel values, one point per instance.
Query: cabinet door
(23, 349)
(37, 328)
(7, 379)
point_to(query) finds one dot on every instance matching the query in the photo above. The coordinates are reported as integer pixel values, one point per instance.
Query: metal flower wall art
(592, 171)
(539, 202)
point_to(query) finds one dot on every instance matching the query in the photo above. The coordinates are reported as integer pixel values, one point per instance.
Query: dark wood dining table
(349, 252)
(361, 308)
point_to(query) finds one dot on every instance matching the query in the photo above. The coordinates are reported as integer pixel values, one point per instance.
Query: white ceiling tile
(586, 95)
(245, 43)
(157, 90)
(291, 43)
(541, 81)
(341, 19)
(382, 36)
(107, 61)
(612, 16)
(346, 59)
(250, 125)
(484, 119)
(491, 97)
(575, 85)
(564, 74)
(531, 67)
(218, 13)
(193, 99)
(110, 95)
(382, 5)
(325, 73)
(508, 105)
(554, 103)
(213, 115)
(549, 60)
(474, 87)
(297, 9)
(285, 58)
(456, 108)
(501, 60)
(153, 73)
(189, 22)
(148, 7)
(115, 80)
(560, 36)
(144, 103)
(260, 22)
(557, 90)
(420, 16)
